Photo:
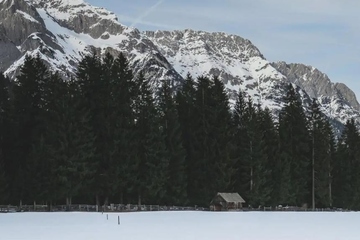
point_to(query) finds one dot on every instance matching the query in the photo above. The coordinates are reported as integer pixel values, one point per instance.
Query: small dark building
(226, 202)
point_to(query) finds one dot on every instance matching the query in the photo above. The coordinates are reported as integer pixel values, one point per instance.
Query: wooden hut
(226, 202)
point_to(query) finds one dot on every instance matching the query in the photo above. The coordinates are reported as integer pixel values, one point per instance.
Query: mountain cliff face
(336, 99)
(62, 31)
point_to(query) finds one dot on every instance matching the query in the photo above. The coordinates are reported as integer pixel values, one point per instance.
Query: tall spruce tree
(3, 184)
(329, 160)
(204, 145)
(240, 141)
(321, 149)
(185, 100)
(28, 117)
(152, 163)
(123, 94)
(270, 147)
(70, 142)
(294, 139)
(252, 161)
(267, 153)
(94, 88)
(176, 185)
(346, 179)
(221, 159)
(4, 125)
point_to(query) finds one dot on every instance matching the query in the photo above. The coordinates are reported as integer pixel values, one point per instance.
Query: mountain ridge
(62, 31)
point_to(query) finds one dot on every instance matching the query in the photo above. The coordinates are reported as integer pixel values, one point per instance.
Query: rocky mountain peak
(59, 3)
(212, 43)
(315, 83)
(82, 17)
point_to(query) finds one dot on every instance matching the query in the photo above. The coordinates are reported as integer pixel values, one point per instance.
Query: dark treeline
(107, 136)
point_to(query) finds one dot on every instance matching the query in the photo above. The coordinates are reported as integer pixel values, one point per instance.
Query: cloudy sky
(321, 33)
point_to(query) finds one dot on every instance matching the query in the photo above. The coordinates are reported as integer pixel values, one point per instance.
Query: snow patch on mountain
(27, 16)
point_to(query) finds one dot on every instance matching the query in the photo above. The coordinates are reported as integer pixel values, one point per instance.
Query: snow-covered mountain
(62, 31)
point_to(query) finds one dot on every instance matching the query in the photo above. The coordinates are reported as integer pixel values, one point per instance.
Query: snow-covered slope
(336, 99)
(235, 60)
(62, 31)
(242, 66)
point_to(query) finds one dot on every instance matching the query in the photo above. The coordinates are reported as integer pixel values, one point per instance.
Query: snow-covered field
(180, 225)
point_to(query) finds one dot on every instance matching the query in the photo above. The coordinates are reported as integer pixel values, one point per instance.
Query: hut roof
(231, 197)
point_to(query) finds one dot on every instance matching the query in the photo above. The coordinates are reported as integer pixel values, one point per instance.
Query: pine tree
(152, 162)
(123, 93)
(175, 152)
(346, 179)
(220, 133)
(70, 141)
(203, 168)
(28, 118)
(94, 87)
(267, 139)
(329, 162)
(294, 139)
(322, 148)
(3, 184)
(240, 142)
(253, 166)
(185, 99)
(4, 124)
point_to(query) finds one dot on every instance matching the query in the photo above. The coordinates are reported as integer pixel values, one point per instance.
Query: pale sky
(321, 33)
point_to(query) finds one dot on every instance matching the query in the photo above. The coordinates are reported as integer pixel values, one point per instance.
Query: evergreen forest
(107, 136)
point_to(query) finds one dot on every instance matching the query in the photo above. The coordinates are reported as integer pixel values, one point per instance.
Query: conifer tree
(175, 152)
(270, 147)
(28, 118)
(294, 139)
(329, 160)
(346, 179)
(253, 164)
(322, 148)
(220, 133)
(123, 94)
(4, 128)
(240, 141)
(94, 89)
(185, 100)
(3, 184)
(70, 142)
(267, 139)
(151, 159)
(204, 145)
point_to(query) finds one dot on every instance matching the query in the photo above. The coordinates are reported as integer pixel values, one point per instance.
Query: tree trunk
(330, 188)
(50, 206)
(106, 203)
(97, 202)
(67, 204)
(139, 202)
(251, 169)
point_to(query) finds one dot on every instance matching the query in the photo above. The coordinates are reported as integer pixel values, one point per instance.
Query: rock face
(336, 99)
(62, 31)
(316, 83)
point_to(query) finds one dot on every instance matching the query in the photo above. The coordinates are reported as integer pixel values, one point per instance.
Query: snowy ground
(180, 225)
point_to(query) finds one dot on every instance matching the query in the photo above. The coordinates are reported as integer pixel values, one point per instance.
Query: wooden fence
(94, 208)
(135, 208)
